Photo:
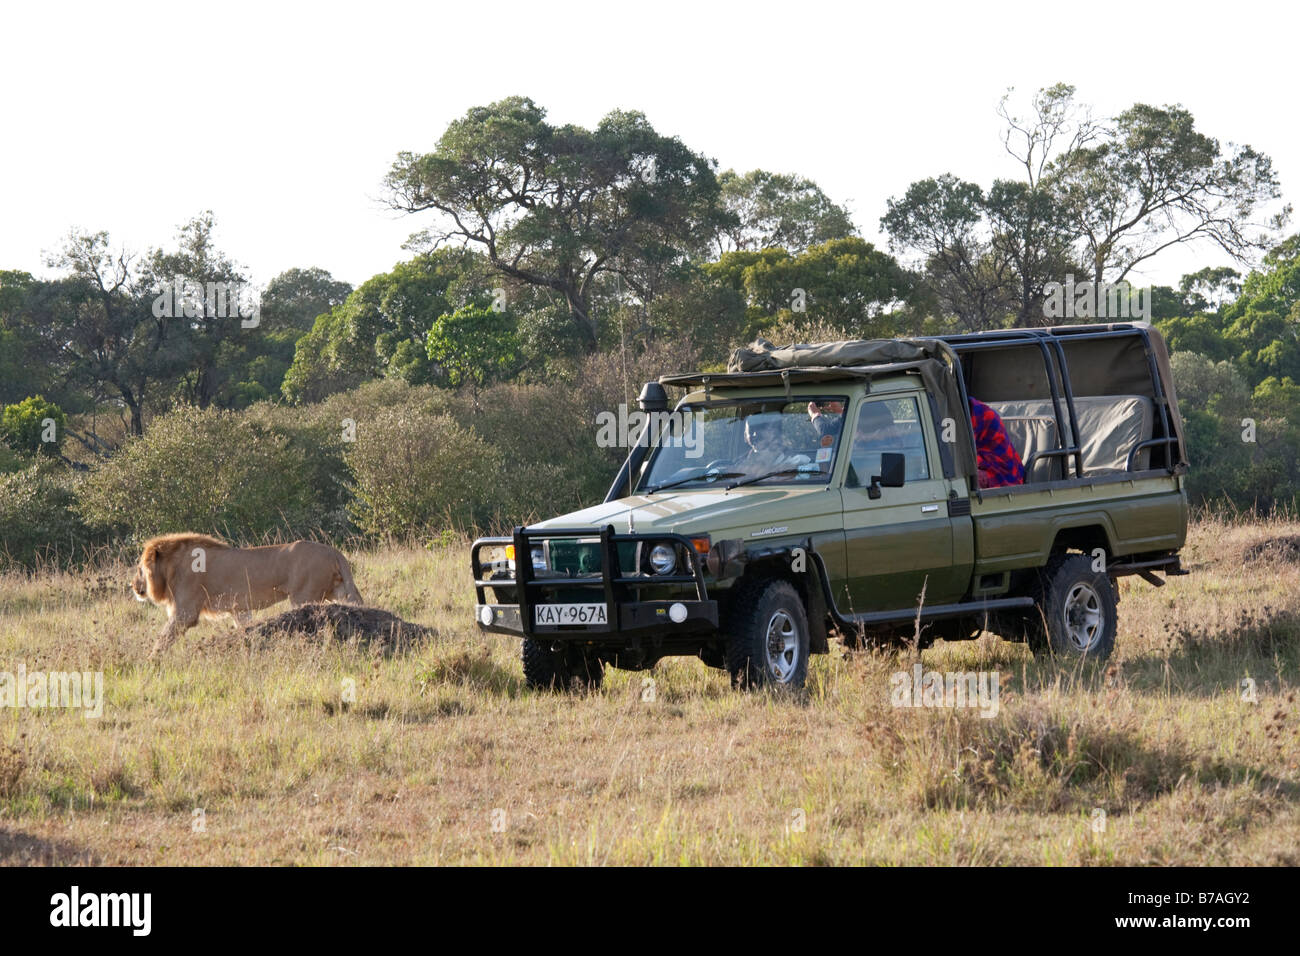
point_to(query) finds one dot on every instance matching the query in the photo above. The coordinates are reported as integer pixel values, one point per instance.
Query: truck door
(903, 539)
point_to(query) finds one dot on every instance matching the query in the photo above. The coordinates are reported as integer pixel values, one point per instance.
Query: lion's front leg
(176, 626)
(165, 639)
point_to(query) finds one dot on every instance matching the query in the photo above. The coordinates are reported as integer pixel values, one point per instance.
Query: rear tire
(1075, 614)
(768, 642)
(545, 669)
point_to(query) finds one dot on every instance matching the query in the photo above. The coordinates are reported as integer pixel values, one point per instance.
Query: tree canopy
(560, 207)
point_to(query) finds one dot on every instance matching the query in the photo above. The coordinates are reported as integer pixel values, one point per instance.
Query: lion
(196, 575)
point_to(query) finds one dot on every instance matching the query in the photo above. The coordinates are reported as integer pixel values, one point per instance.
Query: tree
(1153, 181)
(944, 221)
(382, 326)
(24, 370)
(846, 283)
(1029, 233)
(1097, 198)
(475, 345)
(323, 363)
(1210, 289)
(1262, 325)
(33, 425)
(559, 207)
(100, 322)
(295, 297)
(212, 332)
(255, 365)
(765, 210)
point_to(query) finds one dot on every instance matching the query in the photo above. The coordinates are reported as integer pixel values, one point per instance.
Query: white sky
(283, 119)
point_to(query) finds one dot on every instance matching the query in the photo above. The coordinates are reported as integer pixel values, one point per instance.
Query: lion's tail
(350, 592)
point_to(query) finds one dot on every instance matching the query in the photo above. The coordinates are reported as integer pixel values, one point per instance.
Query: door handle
(927, 509)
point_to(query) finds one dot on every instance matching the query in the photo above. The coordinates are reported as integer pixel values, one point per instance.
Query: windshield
(758, 441)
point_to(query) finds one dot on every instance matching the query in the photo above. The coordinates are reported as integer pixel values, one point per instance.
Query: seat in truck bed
(1110, 426)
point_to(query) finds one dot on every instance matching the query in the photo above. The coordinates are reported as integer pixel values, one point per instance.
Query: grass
(225, 754)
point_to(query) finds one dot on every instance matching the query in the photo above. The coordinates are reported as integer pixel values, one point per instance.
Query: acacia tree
(1155, 181)
(1097, 197)
(100, 322)
(766, 210)
(944, 220)
(209, 336)
(560, 207)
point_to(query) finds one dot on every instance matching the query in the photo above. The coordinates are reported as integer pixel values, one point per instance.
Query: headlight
(539, 558)
(663, 558)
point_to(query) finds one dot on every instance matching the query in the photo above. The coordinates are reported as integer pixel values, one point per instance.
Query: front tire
(545, 669)
(1076, 614)
(768, 643)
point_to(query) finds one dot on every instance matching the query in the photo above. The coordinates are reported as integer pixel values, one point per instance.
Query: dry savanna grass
(234, 751)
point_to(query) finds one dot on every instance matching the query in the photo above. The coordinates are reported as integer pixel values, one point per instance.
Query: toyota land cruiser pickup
(832, 490)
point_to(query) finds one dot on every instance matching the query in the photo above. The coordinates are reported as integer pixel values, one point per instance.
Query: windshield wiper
(707, 476)
(770, 474)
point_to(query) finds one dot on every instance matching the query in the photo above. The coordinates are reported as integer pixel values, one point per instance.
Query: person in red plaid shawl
(999, 462)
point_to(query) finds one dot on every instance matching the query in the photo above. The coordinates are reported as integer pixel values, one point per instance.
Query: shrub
(551, 462)
(416, 472)
(317, 446)
(205, 471)
(33, 425)
(38, 519)
(11, 460)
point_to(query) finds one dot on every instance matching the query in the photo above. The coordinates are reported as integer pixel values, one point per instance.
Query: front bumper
(627, 616)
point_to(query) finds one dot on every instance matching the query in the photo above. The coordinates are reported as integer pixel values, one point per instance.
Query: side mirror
(893, 473)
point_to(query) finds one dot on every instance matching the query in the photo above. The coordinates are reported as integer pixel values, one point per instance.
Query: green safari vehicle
(832, 490)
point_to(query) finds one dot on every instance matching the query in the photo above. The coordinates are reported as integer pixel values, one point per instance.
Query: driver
(767, 445)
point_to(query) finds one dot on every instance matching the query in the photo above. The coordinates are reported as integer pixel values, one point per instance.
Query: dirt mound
(347, 623)
(1285, 548)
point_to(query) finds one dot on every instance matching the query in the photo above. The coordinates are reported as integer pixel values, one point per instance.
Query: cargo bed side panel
(1016, 528)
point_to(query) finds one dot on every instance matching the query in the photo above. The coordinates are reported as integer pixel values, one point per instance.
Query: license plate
(569, 614)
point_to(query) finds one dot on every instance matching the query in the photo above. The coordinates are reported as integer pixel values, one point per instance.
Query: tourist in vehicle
(827, 418)
(999, 462)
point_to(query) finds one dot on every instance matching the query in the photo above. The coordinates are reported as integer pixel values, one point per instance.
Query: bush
(317, 446)
(1252, 467)
(33, 425)
(38, 519)
(415, 472)
(206, 471)
(543, 476)
(366, 402)
(11, 460)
